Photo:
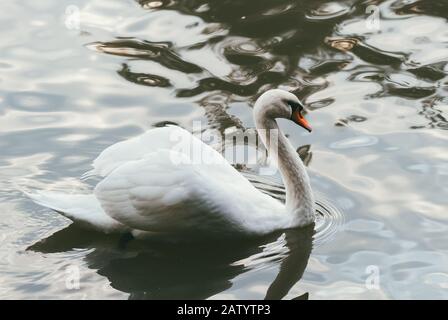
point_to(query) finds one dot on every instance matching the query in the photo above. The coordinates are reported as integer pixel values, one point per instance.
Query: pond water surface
(78, 76)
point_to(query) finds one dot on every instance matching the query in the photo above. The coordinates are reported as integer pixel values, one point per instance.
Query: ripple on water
(145, 79)
(161, 52)
(329, 218)
(355, 142)
(152, 4)
(328, 11)
(366, 52)
(35, 101)
(242, 52)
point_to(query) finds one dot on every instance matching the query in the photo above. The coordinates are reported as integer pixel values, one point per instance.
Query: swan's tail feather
(81, 208)
(87, 175)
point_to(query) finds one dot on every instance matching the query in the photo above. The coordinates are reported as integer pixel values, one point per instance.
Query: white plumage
(156, 182)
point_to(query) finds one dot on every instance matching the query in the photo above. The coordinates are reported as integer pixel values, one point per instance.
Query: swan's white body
(156, 182)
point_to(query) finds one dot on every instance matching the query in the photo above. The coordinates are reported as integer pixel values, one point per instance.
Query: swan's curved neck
(299, 197)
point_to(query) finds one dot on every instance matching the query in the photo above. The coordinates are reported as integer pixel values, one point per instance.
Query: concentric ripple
(329, 219)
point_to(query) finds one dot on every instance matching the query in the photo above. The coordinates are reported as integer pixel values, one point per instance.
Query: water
(77, 77)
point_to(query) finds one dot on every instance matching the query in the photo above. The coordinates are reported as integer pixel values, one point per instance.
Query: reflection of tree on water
(161, 269)
(269, 43)
(433, 114)
(263, 43)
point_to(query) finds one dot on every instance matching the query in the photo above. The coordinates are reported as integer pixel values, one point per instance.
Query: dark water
(377, 100)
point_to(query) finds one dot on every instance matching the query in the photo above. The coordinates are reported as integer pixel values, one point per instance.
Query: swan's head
(278, 103)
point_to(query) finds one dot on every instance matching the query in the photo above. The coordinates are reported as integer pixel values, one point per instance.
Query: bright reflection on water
(75, 79)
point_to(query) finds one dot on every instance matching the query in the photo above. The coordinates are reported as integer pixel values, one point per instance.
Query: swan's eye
(295, 106)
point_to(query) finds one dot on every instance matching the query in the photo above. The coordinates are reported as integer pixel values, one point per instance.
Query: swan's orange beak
(300, 120)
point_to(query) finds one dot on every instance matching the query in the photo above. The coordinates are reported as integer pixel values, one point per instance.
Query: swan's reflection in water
(174, 269)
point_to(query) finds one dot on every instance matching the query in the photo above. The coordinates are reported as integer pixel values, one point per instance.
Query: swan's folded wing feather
(165, 138)
(166, 192)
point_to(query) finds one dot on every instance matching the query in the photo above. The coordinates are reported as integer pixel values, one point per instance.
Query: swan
(150, 183)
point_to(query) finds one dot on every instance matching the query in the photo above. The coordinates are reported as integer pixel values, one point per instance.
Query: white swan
(150, 183)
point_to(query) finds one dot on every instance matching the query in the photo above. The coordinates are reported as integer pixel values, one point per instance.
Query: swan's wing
(167, 192)
(83, 209)
(166, 138)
